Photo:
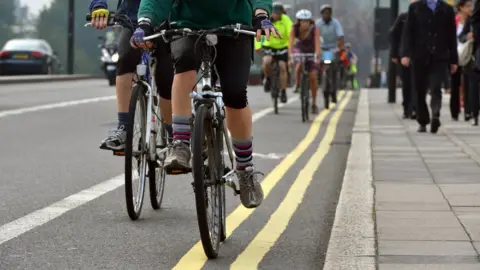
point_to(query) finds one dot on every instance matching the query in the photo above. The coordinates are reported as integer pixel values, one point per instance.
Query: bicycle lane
(89, 228)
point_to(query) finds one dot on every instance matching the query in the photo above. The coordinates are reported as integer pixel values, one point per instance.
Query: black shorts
(233, 60)
(277, 54)
(129, 58)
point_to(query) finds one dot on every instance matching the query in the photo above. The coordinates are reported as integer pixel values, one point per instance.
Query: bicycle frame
(146, 76)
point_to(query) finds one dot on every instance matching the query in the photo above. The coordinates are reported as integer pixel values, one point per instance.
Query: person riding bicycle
(279, 47)
(331, 32)
(352, 68)
(126, 66)
(233, 60)
(305, 37)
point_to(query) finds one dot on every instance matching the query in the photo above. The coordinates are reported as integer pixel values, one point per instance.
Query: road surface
(62, 202)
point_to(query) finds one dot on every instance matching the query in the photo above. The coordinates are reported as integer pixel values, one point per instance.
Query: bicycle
(275, 75)
(328, 62)
(304, 84)
(208, 138)
(148, 154)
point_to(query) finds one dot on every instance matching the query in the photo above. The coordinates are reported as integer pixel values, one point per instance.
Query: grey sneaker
(115, 140)
(178, 158)
(251, 192)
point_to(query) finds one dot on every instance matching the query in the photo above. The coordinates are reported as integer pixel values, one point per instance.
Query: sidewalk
(426, 210)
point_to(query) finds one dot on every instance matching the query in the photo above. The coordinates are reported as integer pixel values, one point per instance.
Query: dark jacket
(430, 36)
(127, 7)
(395, 35)
(475, 21)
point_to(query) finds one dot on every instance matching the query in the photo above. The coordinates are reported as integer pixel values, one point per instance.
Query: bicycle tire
(203, 130)
(157, 176)
(304, 93)
(275, 87)
(134, 208)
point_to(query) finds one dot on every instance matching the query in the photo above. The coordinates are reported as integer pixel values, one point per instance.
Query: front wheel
(156, 173)
(205, 178)
(136, 153)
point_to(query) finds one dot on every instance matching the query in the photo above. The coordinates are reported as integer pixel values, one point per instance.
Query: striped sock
(243, 152)
(181, 128)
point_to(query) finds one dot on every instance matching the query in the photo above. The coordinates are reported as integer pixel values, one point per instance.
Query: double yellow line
(256, 250)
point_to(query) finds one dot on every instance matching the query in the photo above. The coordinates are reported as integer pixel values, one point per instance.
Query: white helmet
(304, 14)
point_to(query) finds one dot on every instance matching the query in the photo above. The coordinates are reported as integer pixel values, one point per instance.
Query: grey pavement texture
(427, 190)
(47, 155)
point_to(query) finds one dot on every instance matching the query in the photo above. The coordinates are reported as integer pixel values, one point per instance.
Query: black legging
(455, 94)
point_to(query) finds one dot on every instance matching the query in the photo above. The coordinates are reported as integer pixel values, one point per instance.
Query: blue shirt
(330, 32)
(433, 5)
(127, 7)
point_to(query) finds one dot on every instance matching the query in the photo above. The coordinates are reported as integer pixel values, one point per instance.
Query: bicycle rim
(136, 154)
(205, 179)
(157, 175)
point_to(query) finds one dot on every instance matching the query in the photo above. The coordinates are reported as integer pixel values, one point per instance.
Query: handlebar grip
(88, 17)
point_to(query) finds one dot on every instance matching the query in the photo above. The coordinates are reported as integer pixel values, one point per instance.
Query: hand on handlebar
(100, 18)
(143, 30)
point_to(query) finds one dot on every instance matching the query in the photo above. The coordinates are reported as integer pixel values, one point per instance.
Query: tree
(52, 26)
(7, 19)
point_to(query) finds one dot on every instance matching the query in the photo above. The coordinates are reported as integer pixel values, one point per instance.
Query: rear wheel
(305, 96)
(136, 153)
(206, 179)
(275, 85)
(156, 173)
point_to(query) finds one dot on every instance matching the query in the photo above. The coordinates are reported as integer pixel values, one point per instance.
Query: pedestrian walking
(459, 89)
(471, 74)
(429, 43)
(408, 95)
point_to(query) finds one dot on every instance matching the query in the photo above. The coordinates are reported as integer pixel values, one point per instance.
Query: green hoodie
(202, 14)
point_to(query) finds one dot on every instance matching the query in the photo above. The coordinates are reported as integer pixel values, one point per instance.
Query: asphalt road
(50, 134)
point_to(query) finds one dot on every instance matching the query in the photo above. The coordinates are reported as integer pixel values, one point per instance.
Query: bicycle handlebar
(113, 19)
(234, 28)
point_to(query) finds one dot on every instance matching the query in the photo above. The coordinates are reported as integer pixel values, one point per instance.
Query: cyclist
(234, 56)
(352, 67)
(126, 66)
(307, 38)
(332, 35)
(279, 46)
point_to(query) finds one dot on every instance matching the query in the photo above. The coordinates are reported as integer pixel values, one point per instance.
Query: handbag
(465, 53)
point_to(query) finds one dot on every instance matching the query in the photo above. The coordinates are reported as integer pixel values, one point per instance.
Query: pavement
(62, 203)
(409, 200)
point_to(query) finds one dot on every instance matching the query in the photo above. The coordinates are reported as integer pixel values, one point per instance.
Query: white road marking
(42, 216)
(54, 106)
(273, 156)
(26, 223)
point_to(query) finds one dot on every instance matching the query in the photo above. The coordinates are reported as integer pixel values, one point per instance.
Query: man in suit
(409, 97)
(429, 43)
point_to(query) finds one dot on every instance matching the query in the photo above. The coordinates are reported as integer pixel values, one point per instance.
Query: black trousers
(464, 73)
(408, 95)
(474, 92)
(428, 76)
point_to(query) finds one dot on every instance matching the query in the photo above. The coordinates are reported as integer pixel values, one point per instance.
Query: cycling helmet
(278, 7)
(304, 14)
(326, 6)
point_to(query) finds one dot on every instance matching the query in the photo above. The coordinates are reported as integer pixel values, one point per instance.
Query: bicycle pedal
(177, 171)
(119, 153)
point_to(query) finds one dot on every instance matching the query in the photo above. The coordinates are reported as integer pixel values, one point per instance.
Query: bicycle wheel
(304, 93)
(156, 173)
(275, 85)
(206, 178)
(136, 153)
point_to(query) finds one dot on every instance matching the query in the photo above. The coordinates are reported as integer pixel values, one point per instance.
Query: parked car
(27, 57)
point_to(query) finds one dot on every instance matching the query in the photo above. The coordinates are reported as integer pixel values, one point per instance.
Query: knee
(235, 96)
(267, 60)
(184, 55)
(283, 66)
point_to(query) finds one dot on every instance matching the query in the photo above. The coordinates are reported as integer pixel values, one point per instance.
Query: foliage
(53, 27)
(6, 19)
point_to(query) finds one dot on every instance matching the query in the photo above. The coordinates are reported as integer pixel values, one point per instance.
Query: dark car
(26, 57)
